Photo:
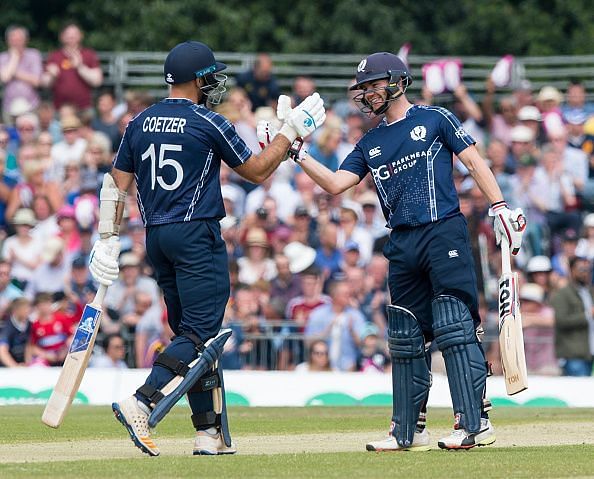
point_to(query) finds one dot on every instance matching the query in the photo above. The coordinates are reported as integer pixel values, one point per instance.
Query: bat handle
(505, 257)
(100, 295)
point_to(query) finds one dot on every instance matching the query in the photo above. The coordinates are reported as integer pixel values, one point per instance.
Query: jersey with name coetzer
(175, 148)
(411, 162)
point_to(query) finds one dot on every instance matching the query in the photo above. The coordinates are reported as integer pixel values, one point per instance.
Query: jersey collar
(183, 101)
(406, 115)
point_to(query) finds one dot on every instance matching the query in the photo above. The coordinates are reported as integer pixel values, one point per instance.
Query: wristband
(497, 206)
(295, 152)
(288, 132)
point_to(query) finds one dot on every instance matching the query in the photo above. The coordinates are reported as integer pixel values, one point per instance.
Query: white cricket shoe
(134, 416)
(461, 439)
(420, 443)
(211, 443)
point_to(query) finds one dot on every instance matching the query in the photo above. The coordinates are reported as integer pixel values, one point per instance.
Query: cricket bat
(75, 363)
(511, 338)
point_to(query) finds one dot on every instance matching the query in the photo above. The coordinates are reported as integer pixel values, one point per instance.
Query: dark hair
(108, 338)
(576, 259)
(313, 270)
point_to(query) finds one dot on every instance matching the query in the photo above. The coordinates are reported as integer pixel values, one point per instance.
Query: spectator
(299, 308)
(585, 245)
(376, 297)
(52, 274)
(574, 328)
(560, 260)
(351, 257)
(256, 264)
(469, 113)
(73, 71)
(231, 192)
(575, 161)
(371, 220)
(105, 121)
(499, 124)
(326, 145)
(20, 71)
(498, 157)
(538, 323)
(540, 271)
(69, 231)
(349, 230)
(340, 325)
(328, 256)
(145, 325)
(46, 223)
(317, 358)
(259, 83)
(14, 336)
(303, 86)
(80, 287)
(372, 355)
(304, 228)
(50, 332)
(530, 116)
(114, 352)
(285, 286)
(576, 135)
(549, 100)
(575, 100)
(8, 291)
(287, 199)
(120, 297)
(238, 110)
(27, 126)
(231, 357)
(522, 143)
(22, 251)
(48, 121)
(68, 151)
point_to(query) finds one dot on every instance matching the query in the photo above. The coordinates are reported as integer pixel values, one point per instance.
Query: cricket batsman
(173, 151)
(431, 278)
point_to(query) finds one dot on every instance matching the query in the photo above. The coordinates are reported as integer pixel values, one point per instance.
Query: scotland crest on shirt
(418, 133)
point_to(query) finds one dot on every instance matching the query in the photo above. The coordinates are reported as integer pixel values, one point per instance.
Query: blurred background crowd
(307, 272)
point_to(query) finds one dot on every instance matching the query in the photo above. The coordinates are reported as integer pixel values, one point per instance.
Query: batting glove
(302, 120)
(266, 132)
(104, 265)
(509, 224)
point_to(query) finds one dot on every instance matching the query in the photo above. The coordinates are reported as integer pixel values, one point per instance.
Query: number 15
(163, 162)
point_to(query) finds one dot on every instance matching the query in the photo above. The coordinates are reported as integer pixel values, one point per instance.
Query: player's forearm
(261, 166)
(481, 174)
(322, 175)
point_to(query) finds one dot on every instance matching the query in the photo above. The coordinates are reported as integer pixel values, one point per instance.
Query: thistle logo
(361, 66)
(169, 78)
(453, 253)
(418, 133)
(376, 151)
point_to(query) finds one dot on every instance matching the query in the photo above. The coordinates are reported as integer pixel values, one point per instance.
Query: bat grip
(100, 295)
(505, 257)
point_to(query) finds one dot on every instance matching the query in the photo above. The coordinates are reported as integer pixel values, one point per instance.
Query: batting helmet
(190, 60)
(381, 65)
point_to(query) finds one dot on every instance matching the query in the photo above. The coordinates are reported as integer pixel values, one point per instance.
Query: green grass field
(295, 442)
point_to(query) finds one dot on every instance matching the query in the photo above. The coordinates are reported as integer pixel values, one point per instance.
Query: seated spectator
(120, 297)
(27, 126)
(530, 117)
(22, 251)
(48, 121)
(260, 83)
(68, 151)
(560, 260)
(575, 99)
(340, 325)
(351, 257)
(52, 274)
(372, 352)
(574, 341)
(576, 135)
(69, 231)
(325, 146)
(317, 358)
(73, 71)
(14, 336)
(145, 325)
(8, 291)
(328, 256)
(256, 264)
(376, 296)
(585, 245)
(80, 288)
(548, 101)
(575, 161)
(538, 323)
(304, 228)
(50, 332)
(114, 353)
(349, 230)
(499, 124)
(540, 271)
(372, 221)
(303, 86)
(20, 71)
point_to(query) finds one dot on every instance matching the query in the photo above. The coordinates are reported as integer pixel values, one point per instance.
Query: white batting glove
(509, 224)
(266, 132)
(304, 119)
(104, 265)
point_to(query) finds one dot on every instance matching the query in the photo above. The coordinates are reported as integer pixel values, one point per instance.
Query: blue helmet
(381, 65)
(190, 60)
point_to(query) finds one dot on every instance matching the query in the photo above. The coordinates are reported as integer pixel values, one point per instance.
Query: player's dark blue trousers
(430, 260)
(190, 262)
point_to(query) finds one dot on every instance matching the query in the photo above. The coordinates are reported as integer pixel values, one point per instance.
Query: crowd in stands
(307, 272)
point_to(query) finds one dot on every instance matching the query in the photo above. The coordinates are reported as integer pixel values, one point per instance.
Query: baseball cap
(79, 262)
(52, 249)
(539, 264)
(369, 329)
(301, 211)
(529, 113)
(570, 235)
(532, 292)
(188, 61)
(522, 134)
(379, 65)
(351, 245)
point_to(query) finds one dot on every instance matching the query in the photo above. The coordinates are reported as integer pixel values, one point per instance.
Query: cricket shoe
(420, 443)
(461, 439)
(210, 443)
(134, 416)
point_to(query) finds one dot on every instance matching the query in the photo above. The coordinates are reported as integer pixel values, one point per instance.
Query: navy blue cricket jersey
(411, 161)
(175, 148)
